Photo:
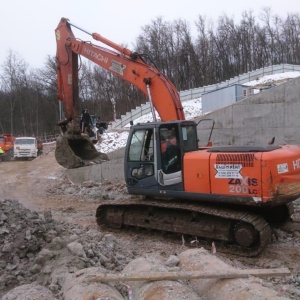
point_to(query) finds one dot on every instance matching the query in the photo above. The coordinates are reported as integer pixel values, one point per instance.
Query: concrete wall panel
(255, 120)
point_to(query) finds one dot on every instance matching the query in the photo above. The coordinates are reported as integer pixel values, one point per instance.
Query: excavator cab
(154, 155)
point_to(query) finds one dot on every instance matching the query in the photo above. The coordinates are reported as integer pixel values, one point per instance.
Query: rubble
(57, 241)
(32, 245)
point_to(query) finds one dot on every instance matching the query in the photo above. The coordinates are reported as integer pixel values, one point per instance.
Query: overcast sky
(27, 26)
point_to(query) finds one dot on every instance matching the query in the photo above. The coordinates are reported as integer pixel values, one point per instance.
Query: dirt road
(42, 185)
(27, 180)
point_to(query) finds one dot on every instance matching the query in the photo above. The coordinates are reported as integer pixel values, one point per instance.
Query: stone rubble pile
(41, 258)
(22, 235)
(36, 248)
(89, 190)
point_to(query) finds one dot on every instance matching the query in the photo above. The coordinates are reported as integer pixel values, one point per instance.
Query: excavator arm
(118, 60)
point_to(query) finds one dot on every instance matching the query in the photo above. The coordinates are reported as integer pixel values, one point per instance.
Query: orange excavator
(227, 194)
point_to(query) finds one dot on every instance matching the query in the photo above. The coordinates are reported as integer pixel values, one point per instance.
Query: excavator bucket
(74, 150)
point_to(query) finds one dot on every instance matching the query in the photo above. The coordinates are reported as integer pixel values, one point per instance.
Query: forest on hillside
(190, 57)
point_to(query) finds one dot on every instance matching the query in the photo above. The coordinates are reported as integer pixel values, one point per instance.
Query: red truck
(7, 145)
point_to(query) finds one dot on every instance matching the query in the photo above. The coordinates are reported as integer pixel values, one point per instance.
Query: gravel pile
(22, 235)
(89, 190)
(36, 248)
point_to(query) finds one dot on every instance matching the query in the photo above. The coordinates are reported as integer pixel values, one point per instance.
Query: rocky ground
(48, 231)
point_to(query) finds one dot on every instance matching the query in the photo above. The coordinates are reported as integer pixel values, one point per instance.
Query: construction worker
(1, 154)
(85, 121)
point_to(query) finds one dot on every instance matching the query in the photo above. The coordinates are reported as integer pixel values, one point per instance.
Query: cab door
(169, 157)
(141, 161)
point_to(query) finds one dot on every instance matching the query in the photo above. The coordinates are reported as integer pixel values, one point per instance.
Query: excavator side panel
(236, 177)
(281, 174)
(236, 174)
(196, 172)
(245, 175)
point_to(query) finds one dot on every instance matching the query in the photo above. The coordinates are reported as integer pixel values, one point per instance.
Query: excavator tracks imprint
(233, 231)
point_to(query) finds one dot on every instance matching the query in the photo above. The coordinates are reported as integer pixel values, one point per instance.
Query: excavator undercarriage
(234, 231)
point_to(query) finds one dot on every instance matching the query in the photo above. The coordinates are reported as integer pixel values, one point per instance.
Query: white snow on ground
(112, 141)
(269, 79)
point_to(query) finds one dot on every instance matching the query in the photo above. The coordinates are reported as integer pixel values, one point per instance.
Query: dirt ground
(42, 185)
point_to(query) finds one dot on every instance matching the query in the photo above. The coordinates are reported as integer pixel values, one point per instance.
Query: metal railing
(198, 92)
(48, 138)
(240, 79)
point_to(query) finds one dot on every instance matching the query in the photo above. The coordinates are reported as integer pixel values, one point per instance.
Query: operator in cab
(170, 152)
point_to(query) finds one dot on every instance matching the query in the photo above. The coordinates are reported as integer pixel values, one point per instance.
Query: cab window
(189, 138)
(141, 146)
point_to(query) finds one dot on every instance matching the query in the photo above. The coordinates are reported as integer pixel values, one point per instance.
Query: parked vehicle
(7, 146)
(25, 147)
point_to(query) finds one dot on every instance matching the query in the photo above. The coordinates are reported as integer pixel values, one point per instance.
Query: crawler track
(233, 231)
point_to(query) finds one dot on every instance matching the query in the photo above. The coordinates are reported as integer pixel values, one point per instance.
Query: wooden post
(153, 276)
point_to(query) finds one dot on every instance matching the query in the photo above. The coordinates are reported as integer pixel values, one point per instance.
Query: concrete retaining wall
(272, 113)
(112, 170)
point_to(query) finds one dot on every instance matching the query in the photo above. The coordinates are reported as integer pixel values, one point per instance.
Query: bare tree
(44, 95)
(29, 102)
(14, 79)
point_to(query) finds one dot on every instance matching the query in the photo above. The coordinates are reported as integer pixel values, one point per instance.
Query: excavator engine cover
(74, 150)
